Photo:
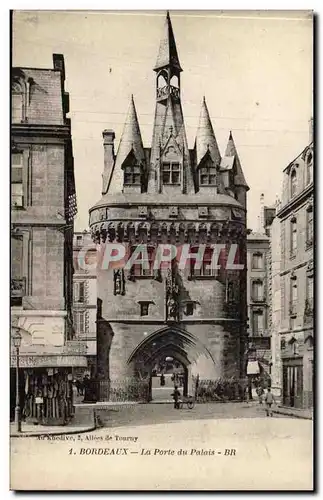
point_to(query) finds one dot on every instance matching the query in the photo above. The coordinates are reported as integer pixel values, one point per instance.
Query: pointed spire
(205, 137)
(131, 136)
(130, 141)
(231, 151)
(167, 55)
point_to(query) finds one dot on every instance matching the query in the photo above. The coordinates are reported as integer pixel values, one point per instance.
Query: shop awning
(253, 368)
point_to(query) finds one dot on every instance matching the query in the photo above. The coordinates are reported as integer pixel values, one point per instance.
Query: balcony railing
(18, 287)
(260, 332)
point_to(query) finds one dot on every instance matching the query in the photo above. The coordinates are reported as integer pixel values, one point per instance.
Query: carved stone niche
(143, 211)
(173, 211)
(203, 211)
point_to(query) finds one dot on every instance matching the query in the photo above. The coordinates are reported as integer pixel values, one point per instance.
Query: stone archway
(180, 344)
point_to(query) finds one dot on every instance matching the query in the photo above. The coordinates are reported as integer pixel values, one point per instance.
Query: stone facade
(258, 297)
(43, 205)
(170, 194)
(293, 291)
(85, 298)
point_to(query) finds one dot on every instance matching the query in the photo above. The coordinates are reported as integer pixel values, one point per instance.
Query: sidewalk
(294, 412)
(30, 430)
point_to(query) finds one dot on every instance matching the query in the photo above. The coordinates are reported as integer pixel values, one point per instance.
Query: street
(219, 446)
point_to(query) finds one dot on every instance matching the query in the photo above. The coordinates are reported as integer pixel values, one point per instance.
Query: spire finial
(230, 135)
(167, 55)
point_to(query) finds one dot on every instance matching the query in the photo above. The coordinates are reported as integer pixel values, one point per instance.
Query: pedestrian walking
(269, 400)
(260, 392)
(176, 396)
(162, 380)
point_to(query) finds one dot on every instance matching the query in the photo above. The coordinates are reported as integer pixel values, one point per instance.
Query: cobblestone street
(155, 413)
(209, 447)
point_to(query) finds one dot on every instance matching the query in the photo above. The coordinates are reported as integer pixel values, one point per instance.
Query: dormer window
(17, 104)
(132, 175)
(293, 183)
(171, 174)
(208, 176)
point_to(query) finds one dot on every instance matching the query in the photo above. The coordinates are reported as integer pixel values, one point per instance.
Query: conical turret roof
(130, 141)
(205, 137)
(231, 160)
(167, 55)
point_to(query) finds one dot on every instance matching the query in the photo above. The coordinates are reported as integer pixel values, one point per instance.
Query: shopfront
(293, 382)
(45, 388)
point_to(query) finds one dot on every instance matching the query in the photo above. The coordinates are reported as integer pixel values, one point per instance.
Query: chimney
(59, 64)
(108, 144)
(311, 131)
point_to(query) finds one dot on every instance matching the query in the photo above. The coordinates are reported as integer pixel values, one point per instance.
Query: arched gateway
(179, 345)
(169, 194)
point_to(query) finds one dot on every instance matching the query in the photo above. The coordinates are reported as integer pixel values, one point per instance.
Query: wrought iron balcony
(18, 287)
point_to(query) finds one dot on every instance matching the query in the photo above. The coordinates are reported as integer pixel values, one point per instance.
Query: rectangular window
(144, 306)
(189, 309)
(17, 187)
(16, 256)
(132, 175)
(293, 240)
(293, 297)
(144, 267)
(258, 323)
(79, 240)
(309, 227)
(17, 107)
(258, 291)
(79, 321)
(257, 261)
(79, 292)
(205, 268)
(208, 176)
(171, 173)
(309, 291)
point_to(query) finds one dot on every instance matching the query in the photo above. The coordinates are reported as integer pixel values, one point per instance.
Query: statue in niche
(172, 296)
(119, 282)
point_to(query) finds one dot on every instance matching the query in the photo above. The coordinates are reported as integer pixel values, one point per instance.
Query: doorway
(165, 374)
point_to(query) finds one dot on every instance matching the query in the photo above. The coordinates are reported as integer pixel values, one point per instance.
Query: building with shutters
(258, 302)
(170, 193)
(43, 206)
(295, 329)
(85, 299)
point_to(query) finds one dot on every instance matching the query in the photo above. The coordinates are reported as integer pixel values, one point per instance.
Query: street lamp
(17, 343)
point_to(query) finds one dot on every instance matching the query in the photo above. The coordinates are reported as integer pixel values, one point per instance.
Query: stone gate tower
(169, 193)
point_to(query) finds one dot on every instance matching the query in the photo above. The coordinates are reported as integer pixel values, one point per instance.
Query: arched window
(17, 103)
(293, 183)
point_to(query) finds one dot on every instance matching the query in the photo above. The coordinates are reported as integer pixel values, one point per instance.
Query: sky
(254, 68)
